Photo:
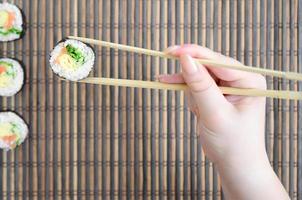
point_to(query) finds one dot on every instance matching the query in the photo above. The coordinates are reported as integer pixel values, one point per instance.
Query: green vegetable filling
(10, 31)
(6, 64)
(9, 68)
(76, 54)
(16, 130)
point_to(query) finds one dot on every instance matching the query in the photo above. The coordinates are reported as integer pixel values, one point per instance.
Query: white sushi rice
(17, 83)
(81, 71)
(17, 23)
(8, 117)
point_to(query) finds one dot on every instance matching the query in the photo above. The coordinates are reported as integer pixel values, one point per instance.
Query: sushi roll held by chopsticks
(11, 77)
(72, 59)
(13, 130)
(11, 22)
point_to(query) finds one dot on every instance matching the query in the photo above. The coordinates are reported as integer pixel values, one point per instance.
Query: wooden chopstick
(157, 85)
(179, 87)
(211, 63)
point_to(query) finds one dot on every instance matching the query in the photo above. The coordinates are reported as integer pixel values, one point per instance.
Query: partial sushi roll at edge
(13, 130)
(72, 59)
(11, 22)
(11, 77)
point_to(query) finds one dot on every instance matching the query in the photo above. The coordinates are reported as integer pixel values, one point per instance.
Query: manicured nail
(188, 64)
(171, 49)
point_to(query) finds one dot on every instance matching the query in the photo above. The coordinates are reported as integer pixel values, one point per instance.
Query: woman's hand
(231, 128)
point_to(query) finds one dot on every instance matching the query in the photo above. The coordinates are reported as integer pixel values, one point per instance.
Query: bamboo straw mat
(99, 142)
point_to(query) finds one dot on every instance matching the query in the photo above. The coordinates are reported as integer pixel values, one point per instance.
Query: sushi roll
(10, 22)
(72, 59)
(11, 77)
(13, 130)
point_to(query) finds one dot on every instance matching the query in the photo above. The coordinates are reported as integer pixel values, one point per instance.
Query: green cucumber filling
(17, 131)
(10, 31)
(9, 68)
(76, 54)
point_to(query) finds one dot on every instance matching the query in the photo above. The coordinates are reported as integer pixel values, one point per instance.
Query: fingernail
(189, 65)
(171, 49)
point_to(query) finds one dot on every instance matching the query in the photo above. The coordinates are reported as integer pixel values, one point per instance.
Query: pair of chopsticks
(225, 90)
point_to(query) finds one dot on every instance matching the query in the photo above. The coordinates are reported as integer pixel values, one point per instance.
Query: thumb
(205, 91)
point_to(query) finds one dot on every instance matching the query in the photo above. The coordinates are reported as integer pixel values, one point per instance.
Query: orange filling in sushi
(7, 19)
(9, 134)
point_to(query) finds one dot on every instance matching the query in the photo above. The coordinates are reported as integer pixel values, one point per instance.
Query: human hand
(231, 128)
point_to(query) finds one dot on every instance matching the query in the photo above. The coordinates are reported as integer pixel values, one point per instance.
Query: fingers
(193, 50)
(235, 77)
(205, 53)
(173, 78)
(176, 78)
(205, 92)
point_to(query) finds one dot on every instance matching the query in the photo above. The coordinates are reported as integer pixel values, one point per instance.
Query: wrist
(240, 177)
(251, 161)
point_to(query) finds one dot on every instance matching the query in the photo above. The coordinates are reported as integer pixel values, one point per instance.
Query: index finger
(233, 77)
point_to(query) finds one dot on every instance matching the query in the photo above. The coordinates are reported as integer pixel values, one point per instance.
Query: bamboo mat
(105, 142)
